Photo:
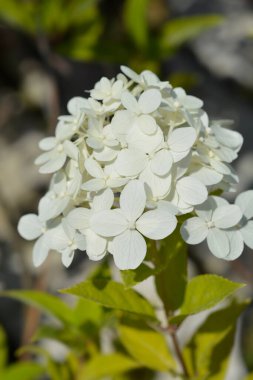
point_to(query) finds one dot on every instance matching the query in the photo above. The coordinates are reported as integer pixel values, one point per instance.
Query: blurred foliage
(138, 33)
(136, 339)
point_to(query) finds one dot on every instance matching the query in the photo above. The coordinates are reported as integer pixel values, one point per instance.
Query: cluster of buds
(127, 163)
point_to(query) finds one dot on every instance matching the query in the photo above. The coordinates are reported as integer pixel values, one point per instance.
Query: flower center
(210, 224)
(131, 225)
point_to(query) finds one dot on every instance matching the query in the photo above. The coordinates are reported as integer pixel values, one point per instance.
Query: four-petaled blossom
(127, 224)
(214, 218)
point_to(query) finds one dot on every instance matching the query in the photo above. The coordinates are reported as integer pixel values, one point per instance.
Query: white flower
(71, 123)
(31, 227)
(66, 240)
(187, 101)
(244, 230)
(57, 150)
(145, 79)
(128, 223)
(103, 178)
(214, 217)
(109, 91)
(80, 219)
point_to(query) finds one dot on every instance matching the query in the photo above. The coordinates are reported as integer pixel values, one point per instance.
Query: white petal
(51, 207)
(93, 168)
(133, 200)
(96, 245)
(79, 218)
(162, 162)
(236, 245)
(227, 216)
(106, 154)
(114, 183)
(147, 124)
(57, 238)
(94, 143)
(150, 100)
(191, 190)
(75, 104)
(40, 250)
(80, 241)
(64, 131)
(144, 142)
(103, 200)
(44, 157)
(206, 209)
(71, 150)
(191, 102)
(130, 73)
(182, 139)
(95, 184)
(121, 123)
(67, 257)
(108, 223)
(207, 176)
(167, 206)
(129, 250)
(247, 234)
(156, 224)
(218, 243)
(221, 167)
(229, 138)
(245, 202)
(54, 164)
(130, 162)
(48, 143)
(29, 226)
(129, 102)
(158, 186)
(194, 230)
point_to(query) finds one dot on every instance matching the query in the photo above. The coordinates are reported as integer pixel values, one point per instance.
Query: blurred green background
(52, 50)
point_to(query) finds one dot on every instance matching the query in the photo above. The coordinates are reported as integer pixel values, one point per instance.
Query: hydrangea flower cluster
(127, 163)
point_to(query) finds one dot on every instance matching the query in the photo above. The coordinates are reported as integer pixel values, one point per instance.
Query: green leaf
(249, 377)
(172, 278)
(135, 20)
(147, 346)
(22, 371)
(107, 365)
(19, 13)
(178, 31)
(132, 277)
(113, 295)
(204, 292)
(3, 348)
(87, 311)
(208, 351)
(45, 302)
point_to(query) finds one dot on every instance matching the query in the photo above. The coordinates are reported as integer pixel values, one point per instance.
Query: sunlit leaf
(45, 302)
(208, 351)
(249, 377)
(106, 365)
(113, 295)
(22, 371)
(132, 277)
(3, 348)
(180, 30)
(135, 20)
(204, 292)
(85, 311)
(147, 346)
(19, 13)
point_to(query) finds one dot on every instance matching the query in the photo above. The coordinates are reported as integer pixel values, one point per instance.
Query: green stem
(173, 335)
